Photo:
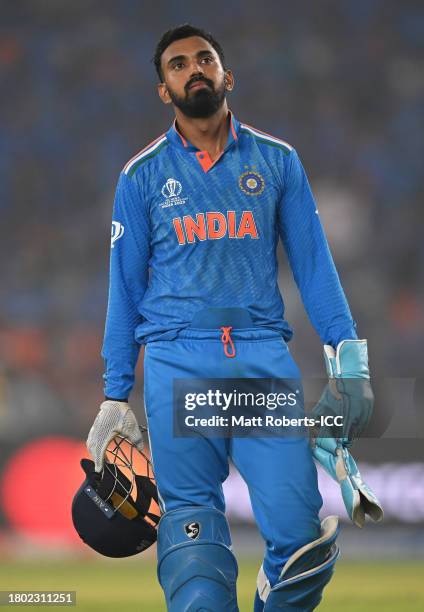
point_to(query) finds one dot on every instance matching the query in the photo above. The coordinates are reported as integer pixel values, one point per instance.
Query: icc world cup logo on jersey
(172, 188)
(171, 192)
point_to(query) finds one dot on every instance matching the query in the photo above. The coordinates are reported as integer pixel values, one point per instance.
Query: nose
(196, 66)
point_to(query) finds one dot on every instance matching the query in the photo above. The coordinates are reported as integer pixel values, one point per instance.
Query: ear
(229, 80)
(163, 93)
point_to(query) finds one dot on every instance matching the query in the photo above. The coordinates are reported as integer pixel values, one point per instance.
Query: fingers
(90, 443)
(135, 436)
(114, 418)
(97, 442)
(334, 390)
(98, 466)
(100, 453)
(328, 444)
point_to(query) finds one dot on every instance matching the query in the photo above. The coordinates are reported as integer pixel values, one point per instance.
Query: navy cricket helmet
(116, 511)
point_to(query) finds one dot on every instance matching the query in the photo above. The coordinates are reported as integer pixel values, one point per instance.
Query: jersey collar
(174, 136)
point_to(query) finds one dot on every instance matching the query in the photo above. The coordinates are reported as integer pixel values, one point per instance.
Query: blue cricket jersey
(189, 234)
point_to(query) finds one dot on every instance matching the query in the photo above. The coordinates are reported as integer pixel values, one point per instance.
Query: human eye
(178, 66)
(208, 59)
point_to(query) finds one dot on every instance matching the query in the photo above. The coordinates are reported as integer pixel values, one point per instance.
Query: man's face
(194, 79)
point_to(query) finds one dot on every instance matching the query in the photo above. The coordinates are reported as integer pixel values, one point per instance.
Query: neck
(206, 134)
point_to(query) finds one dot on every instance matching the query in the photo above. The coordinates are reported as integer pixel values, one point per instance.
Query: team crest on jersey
(251, 183)
(171, 192)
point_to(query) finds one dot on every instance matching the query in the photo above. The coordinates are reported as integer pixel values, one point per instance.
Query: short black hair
(183, 31)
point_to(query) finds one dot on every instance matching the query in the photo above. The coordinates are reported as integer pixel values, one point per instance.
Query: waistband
(207, 324)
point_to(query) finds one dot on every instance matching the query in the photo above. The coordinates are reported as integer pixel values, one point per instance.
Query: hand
(114, 418)
(358, 497)
(349, 398)
(348, 393)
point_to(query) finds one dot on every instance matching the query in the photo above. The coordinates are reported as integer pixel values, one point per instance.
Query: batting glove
(114, 418)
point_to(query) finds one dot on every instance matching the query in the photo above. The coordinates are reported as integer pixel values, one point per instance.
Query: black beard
(202, 103)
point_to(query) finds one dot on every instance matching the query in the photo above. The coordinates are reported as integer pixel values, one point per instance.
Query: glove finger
(135, 436)
(98, 465)
(92, 433)
(90, 443)
(99, 451)
(328, 444)
(99, 457)
(140, 445)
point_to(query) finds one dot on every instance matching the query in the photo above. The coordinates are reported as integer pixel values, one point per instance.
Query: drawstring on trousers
(227, 340)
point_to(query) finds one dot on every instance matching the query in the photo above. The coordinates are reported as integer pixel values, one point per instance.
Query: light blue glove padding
(348, 393)
(358, 498)
(349, 360)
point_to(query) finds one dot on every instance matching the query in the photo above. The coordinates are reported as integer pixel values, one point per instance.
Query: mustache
(195, 79)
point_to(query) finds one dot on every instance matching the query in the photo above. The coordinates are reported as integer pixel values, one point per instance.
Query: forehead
(186, 46)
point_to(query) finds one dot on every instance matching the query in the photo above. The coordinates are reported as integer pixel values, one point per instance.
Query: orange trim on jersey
(184, 141)
(270, 135)
(205, 161)
(144, 149)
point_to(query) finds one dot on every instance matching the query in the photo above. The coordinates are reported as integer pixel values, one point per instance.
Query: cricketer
(197, 217)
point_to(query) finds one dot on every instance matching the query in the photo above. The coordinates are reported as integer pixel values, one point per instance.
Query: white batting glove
(114, 418)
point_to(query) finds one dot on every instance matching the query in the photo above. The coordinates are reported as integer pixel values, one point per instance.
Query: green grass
(129, 586)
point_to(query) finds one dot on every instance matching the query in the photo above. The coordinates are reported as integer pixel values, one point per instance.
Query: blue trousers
(279, 472)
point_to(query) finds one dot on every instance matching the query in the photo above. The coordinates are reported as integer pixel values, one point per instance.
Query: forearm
(310, 259)
(127, 285)
(119, 373)
(324, 298)
(120, 349)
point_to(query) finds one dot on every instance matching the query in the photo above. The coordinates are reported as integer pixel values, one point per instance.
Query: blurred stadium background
(344, 82)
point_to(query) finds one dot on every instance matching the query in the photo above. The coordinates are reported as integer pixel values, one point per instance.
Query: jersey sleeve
(310, 258)
(129, 264)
